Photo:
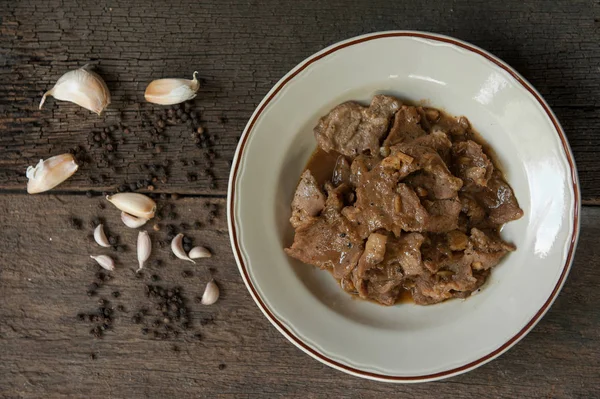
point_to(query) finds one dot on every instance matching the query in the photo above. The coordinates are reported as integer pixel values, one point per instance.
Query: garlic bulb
(134, 204)
(199, 252)
(132, 221)
(172, 91)
(144, 246)
(105, 261)
(211, 293)
(50, 173)
(82, 87)
(177, 248)
(100, 237)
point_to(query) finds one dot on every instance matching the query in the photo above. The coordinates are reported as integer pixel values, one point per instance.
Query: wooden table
(241, 48)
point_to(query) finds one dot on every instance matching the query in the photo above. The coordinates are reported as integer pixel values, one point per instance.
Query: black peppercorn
(222, 366)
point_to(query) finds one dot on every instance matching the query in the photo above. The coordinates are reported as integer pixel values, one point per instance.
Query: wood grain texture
(45, 269)
(241, 48)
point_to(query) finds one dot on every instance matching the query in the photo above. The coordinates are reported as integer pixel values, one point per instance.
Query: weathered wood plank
(45, 270)
(241, 49)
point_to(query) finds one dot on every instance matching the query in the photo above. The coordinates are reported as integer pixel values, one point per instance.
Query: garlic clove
(177, 248)
(172, 91)
(132, 221)
(105, 261)
(199, 252)
(144, 246)
(211, 293)
(100, 237)
(82, 87)
(50, 173)
(134, 204)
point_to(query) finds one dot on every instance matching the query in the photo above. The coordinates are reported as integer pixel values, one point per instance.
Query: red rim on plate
(296, 340)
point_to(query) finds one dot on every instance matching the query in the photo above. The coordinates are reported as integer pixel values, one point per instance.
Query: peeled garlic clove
(172, 91)
(82, 87)
(211, 293)
(105, 261)
(134, 204)
(177, 248)
(144, 246)
(50, 173)
(199, 252)
(132, 221)
(100, 237)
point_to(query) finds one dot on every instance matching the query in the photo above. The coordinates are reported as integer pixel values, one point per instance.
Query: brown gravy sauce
(321, 164)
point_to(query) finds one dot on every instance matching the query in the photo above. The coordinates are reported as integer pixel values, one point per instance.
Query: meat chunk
(498, 200)
(443, 214)
(341, 171)
(383, 282)
(353, 129)
(308, 200)
(471, 164)
(485, 250)
(406, 127)
(410, 214)
(438, 141)
(373, 254)
(436, 177)
(328, 242)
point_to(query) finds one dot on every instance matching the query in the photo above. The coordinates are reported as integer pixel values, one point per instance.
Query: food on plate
(401, 199)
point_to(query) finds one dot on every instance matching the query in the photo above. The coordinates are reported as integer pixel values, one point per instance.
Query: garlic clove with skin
(134, 204)
(211, 293)
(82, 87)
(100, 237)
(105, 261)
(132, 221)
(177, 248)
(50, 173)
(199, 252)
(172, 91)
(144, 246)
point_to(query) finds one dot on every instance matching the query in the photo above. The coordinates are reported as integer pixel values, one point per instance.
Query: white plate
(404, 343)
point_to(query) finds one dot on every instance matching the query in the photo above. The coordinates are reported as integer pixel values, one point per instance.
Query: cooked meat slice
(329, 243)
(352, 129)
(336, 196)
(409, 214)
(435, 288)
(438, 141)
(373, 253)
(308, 200)
(429, 116)
(360, 166)
(443, 214)
(436, 178)
(341, 171)
(406, 127)
(485, 250)
(470, 207)
(471, 164)
(499, 201)
(457, 240)
(437, 253)
(382, 281)
(375, 200)
(405, 252)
